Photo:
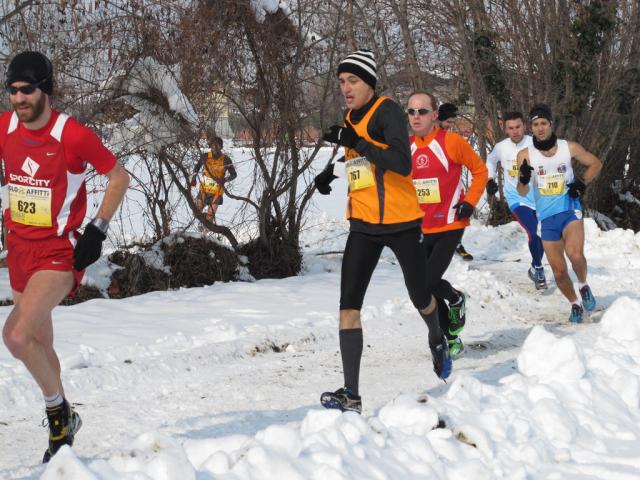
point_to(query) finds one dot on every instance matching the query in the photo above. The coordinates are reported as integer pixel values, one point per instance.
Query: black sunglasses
(420, 111)
(25, 89)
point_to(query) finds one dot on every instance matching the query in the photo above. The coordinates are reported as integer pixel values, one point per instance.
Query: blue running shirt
(549, 181)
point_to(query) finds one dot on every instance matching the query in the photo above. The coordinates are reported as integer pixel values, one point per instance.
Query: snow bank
(570, 411)
(326, 445)
(549, 358)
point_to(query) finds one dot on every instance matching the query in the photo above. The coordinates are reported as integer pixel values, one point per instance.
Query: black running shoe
(342, 399)
(460, 250)
(442, 363)
(64, 423)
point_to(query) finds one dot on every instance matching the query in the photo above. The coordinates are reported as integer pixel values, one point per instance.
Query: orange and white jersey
(437, 161)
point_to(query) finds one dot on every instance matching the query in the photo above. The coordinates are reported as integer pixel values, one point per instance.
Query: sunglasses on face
(25, 89)
(419, 111)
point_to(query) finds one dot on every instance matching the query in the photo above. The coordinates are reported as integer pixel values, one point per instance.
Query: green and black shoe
(457, 316)
(456, 348)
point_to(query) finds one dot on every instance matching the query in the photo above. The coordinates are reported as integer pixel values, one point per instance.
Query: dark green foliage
(487, 56)
(589, 31)
(628, 92)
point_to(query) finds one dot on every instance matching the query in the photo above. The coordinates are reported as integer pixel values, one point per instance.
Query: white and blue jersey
(549, 181)
(506, 153)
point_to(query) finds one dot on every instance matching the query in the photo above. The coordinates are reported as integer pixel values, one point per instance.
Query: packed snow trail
(202, 381)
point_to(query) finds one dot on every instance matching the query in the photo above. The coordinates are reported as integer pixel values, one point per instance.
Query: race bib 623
(30, 205)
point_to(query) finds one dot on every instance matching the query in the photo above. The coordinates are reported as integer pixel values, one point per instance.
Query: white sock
(577, 302)
(580, 285)
(54, 400)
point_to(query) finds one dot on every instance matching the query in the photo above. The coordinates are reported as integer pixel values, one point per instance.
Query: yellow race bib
(30, 205)
(552, 184)
(211, 186)
(427, 189)
(359, 174)
(513, 169)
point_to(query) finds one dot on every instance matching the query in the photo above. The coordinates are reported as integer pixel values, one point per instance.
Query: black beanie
(540, 110)
(31, 67)
(363, 64)
(446, 111)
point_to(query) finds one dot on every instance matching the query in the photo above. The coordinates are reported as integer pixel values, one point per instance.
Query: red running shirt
(44, 171)
(437, 161)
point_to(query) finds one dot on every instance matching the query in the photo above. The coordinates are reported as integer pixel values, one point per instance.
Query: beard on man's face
(29, 110)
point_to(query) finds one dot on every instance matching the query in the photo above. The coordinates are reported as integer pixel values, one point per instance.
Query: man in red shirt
(437, 159)
(447, 114)
(44, 198)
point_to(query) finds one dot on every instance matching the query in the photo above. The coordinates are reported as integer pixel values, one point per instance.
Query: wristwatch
(100, 224)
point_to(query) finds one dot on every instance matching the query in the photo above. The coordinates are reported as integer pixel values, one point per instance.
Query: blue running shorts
(553, 226)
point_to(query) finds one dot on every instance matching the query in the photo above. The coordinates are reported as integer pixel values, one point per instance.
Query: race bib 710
(552, 184)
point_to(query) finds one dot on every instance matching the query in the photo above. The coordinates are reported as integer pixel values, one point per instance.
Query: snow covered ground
(224, 381)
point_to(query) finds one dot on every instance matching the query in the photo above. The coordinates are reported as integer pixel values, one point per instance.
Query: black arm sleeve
(388, 125)
(228, 165)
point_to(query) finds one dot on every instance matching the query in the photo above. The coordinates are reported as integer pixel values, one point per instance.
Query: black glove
(88, 248)
(324, 178)
(576, 188)
(525, 172)
(463, 210)
(345, 136)
(492, 187)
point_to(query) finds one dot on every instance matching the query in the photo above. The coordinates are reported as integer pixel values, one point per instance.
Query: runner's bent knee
(17, 339)
(430, 307)
(560, 271)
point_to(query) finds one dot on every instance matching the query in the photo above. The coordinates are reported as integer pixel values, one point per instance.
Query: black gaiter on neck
(547, 144)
